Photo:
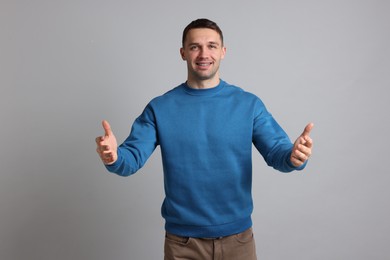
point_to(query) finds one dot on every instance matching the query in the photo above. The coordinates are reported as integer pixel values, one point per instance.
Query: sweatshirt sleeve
(138, 146)
(272, 141)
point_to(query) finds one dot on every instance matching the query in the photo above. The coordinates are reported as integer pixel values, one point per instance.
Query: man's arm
(274, 144)
(132, 154)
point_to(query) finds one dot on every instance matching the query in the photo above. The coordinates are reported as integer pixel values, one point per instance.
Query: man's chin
(204, 76)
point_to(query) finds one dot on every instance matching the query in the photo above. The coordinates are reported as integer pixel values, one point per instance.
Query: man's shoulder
(241, 92)
(168, 95)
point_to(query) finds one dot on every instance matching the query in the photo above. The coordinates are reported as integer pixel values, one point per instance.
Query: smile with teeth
(203, 64)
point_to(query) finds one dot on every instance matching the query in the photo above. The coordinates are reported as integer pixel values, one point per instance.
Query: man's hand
(107, 145)
(302, 147)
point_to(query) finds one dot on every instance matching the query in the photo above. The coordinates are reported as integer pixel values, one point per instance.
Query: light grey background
(66, 65)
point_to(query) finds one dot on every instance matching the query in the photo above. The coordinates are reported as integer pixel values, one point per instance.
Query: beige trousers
(235, 247)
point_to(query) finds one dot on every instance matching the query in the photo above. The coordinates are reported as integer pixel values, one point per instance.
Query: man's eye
(213, 46)
(193, 48)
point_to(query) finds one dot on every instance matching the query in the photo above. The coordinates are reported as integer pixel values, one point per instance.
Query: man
(205, 128)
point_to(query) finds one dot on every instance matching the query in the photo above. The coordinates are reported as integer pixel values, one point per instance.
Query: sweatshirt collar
(206, 91)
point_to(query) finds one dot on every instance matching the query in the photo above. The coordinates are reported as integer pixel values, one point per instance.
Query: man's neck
(203, 84)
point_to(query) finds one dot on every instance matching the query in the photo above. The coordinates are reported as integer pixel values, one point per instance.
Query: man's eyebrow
(197, 43)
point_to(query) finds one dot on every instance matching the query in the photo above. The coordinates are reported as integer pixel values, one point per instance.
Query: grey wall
(66, 65)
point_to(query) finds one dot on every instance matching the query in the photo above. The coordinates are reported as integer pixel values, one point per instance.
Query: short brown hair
(202, 23)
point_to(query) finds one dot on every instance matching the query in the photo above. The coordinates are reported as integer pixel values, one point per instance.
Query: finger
(304, 150)
(300, 156)
(296, 162)
(307, 130)
(301, 140)
(103, 148)
(105, 156)
(107, 128)
(108, 158)
(101, 152)
(108, 161)
(99, 139)
(308, 142)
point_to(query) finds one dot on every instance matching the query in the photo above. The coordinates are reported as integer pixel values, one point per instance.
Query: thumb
(107, 128)
(307, 130)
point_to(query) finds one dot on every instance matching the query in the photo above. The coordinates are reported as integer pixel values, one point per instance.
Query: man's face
(203, 51)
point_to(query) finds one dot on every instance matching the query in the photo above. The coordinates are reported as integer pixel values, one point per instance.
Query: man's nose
(203, 52)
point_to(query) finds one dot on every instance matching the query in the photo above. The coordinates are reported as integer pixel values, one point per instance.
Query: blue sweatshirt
(206, 138)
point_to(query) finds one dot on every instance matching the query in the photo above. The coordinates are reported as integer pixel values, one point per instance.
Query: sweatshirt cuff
(299, 168)
(114, 167)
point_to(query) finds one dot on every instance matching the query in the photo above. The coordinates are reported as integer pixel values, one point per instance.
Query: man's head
(203, 51)
(199, 24)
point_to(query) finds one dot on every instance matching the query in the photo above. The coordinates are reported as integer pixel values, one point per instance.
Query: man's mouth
(203, 64)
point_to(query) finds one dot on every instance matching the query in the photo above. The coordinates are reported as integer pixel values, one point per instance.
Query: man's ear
(223, 52)
(182, 53)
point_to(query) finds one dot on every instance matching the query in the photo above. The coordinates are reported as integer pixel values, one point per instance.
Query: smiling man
(205, 128)
(203, 50)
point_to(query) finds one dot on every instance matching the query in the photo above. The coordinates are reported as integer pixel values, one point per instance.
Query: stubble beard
(201, 76)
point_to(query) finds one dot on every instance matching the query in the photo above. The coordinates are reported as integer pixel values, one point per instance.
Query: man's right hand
(107, 145)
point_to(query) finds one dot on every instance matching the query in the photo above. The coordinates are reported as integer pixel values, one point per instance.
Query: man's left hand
(302, 147)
